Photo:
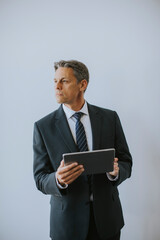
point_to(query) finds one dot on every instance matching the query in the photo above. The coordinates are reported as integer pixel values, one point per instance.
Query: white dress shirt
(85, 119)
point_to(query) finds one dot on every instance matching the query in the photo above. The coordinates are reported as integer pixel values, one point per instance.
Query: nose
(58, 85)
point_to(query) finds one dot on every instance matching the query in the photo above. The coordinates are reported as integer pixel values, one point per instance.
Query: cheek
(71, 90)
(74, 89)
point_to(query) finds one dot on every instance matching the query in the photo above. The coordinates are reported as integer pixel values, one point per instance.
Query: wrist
(62, 184)
(59, 184)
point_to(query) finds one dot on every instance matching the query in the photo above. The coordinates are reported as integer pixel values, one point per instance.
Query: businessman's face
(67, 89)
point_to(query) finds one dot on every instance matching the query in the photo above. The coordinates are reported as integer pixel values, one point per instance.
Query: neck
(75, 106)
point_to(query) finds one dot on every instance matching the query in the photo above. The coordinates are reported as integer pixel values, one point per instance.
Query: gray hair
(80, 70)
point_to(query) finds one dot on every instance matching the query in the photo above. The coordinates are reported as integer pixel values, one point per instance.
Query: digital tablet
(94, 162)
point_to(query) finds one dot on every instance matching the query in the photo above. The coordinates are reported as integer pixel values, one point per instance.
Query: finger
(65, 175)
(75, 173)
(67, 167)
(115, 168)
(70, 178)
(61, 176)
(62, 163)
(115, 165)
(73, 177)
(115, 172)
(115, 159)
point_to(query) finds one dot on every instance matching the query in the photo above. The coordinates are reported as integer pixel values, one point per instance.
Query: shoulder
(101, 111)
(49, 117)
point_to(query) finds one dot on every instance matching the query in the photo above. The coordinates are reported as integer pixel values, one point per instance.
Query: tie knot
(78, 115)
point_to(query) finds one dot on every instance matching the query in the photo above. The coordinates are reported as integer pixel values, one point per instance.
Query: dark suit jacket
(69, 219)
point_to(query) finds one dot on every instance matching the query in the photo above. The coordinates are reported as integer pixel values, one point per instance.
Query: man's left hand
(115, 168)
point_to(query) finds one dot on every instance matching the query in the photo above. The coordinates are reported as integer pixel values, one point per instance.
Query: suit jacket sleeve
(44, 174)
(122, 153)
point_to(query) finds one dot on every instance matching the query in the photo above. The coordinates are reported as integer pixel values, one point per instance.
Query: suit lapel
(64, 130)
(96, 121)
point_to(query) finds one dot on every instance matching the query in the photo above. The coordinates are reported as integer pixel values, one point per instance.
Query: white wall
(119, 41)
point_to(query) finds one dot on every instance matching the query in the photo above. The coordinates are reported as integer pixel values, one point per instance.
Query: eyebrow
(60, 79)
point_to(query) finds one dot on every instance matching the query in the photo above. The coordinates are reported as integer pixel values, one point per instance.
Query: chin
(59, 101)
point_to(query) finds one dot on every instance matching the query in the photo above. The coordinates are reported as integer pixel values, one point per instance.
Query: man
(82, 208)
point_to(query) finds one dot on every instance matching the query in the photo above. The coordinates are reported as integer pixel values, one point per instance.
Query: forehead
(64, 72)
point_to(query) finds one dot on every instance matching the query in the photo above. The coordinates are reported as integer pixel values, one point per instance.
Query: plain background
(119, 41)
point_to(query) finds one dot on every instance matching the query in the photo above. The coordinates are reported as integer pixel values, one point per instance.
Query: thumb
(62, 163)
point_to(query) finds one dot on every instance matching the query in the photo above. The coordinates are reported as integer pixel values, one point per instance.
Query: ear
(83, 85)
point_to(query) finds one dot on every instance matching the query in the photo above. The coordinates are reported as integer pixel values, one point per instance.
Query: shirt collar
(69, 112)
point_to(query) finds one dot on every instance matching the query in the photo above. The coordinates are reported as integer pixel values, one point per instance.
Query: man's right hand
(69, 173)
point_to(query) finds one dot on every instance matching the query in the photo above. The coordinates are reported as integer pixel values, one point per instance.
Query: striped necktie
(80, 133)
(82, 141)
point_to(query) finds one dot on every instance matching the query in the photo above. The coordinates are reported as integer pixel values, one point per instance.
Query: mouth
(59, 94)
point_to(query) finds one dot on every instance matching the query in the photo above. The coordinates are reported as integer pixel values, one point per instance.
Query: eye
(64, 81)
